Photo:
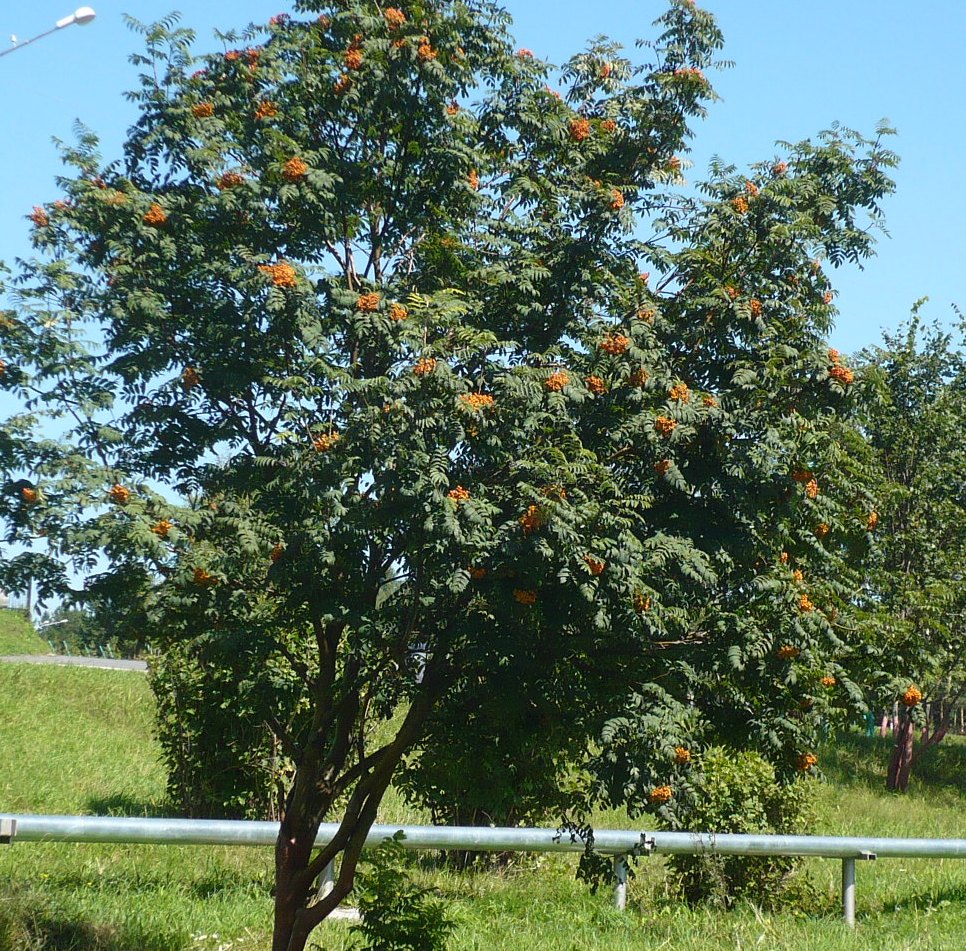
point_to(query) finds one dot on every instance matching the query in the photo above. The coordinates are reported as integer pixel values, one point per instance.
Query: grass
(17, 634)
(80, 741)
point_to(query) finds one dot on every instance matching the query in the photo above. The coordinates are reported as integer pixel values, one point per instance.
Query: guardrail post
(326, 880)
(848, 891)
(620, 882)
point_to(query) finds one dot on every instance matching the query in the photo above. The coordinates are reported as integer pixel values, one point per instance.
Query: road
(103, 662)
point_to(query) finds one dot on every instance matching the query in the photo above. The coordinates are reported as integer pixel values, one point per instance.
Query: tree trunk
(901, 761)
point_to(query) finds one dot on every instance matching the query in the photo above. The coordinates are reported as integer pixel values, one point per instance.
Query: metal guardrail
(621, 844)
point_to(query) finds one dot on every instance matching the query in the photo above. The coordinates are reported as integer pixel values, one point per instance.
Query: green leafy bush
(738, 792)
(396, 914)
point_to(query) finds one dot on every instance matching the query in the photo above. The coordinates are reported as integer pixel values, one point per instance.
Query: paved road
(102, 662)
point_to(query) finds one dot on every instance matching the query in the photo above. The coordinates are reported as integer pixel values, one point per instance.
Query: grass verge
(17, 634)
(80, 741)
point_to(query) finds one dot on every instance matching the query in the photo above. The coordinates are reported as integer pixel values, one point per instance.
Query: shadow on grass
(853, 761)
(121, 805)
(926, 901)
(27, 924)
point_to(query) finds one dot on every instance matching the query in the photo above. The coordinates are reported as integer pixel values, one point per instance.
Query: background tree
(913, 420)
(362, 364)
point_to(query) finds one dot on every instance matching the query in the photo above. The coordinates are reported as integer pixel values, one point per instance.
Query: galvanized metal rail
(621, 844)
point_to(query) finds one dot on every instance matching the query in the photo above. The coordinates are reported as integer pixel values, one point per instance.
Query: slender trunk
(901, 761)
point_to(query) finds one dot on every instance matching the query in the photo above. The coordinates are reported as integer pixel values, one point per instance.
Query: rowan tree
(913, 604)
(364, 358)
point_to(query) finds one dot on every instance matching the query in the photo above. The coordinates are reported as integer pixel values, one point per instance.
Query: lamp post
(80, 16)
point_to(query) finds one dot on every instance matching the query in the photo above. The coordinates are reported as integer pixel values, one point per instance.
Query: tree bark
(901, 761)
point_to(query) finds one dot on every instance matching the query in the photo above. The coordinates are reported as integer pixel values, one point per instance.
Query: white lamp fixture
(80, 16)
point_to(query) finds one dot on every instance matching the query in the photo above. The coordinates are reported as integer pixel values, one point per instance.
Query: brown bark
(315, 789)
(901, 762)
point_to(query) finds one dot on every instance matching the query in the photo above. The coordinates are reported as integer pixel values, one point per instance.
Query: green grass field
(79, 741)
(17, 635)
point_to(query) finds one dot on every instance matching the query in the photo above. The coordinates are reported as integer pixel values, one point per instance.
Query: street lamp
(80, 16)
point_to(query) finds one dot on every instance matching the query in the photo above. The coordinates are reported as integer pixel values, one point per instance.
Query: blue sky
(798, 68)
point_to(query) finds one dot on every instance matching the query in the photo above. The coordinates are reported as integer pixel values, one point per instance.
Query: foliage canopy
(384, 364)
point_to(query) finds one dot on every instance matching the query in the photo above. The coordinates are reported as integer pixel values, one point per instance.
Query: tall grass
(17, 634)
(80, 741)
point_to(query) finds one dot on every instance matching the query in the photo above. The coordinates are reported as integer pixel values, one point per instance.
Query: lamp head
(81, 15)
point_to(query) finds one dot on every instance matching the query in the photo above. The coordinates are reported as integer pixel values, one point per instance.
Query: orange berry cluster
(426, 51)
(638, 377)
(459, 494)
(477, 573)
(119, 494)
(204, 579)
(615, 344)
(665, 426)
(579, 129)
(595, 565)
(29, 495)
(281, 274)
(616, 199)
(294, 169)
(788, 652)
(823, 529)
(872, 521)
(802, 475)
(661, 795)
(662, 467)
(680, 393)
(266, 110)
(155, 216)
(842, 375)
(203, 110)
(912, 696)
(641, 603)
(473, 180)
(828, 681)
(353, 58)
(682, 755)
(740, 204)
(367, 303)
(341, 84)
(811, 488)
(805, 604)
(395, 18)
(709, 401)
(609, 125)
(477, 401)
(39, 217)
(190, 378)
(230, 180)
(276, 552)
(397, 312)
(596, 385)
(755, 307)
(798, 576)
(525, 596)
(325, 441)
(531, 520)
(424, 366)
(779, 168)
(162, 528)
(557, 381)
(806, 761)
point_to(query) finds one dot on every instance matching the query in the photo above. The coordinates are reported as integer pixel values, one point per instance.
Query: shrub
(396, 914)
(738, 792)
